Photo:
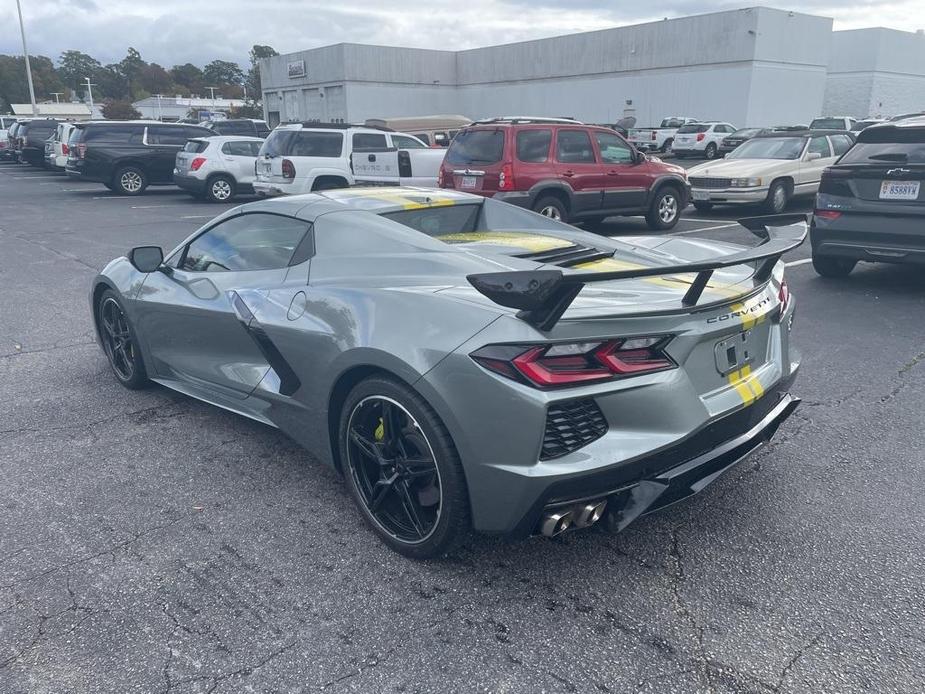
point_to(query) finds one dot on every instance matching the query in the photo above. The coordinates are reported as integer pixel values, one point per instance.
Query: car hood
(743, 168)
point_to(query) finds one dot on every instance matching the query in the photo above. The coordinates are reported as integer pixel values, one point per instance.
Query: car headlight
(746, 182)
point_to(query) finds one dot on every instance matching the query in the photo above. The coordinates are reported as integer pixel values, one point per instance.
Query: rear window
(476, 147)
(233, 127)
(195, 146)
(439, 221)
(693, 128)
(827, 124)
(316, 144)
(423, 137)
(533, 145)
(885, 145)
(277, 143)
(368, 141)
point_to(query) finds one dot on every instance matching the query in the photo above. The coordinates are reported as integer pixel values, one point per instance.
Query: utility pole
(90, 94)
(212, 89)
(25, 52)
(158, 96)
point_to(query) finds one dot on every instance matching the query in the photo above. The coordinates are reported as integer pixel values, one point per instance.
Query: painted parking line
(197, 216)
(29, 178)
(803, 261)
(112, 197)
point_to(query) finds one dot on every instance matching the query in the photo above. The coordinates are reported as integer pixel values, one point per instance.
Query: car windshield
(746, 132)
(672, 123)
(476, 147)
(693, 128)
(827, 124)
(886, 145)
(769, 148)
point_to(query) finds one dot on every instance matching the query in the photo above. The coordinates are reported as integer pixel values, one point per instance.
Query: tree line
(130, 79)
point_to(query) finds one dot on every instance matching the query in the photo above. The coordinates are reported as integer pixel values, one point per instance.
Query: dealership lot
(176, 547)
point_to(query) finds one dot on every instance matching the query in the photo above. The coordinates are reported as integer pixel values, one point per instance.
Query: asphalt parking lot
(151, 543)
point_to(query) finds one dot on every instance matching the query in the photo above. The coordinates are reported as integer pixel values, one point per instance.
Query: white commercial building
(174, 108)
(876, 72)
(750, 67)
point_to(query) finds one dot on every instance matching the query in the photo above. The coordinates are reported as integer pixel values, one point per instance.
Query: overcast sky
(178, 31)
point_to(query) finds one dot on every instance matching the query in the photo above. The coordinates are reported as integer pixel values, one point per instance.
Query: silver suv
(217, 168)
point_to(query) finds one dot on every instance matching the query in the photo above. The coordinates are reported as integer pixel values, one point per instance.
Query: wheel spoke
(410, 507)
(418, 467)
(380, 491)
(369, 448)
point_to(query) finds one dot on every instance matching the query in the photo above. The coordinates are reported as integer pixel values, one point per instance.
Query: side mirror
(638, 157)
(813, 156)
(146, 259)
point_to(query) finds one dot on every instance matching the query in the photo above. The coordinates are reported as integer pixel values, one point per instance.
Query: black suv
(871, 202)
(31, 140)
(238, 126)
(128, 156)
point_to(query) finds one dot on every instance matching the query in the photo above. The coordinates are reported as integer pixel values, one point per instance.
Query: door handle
(568, 173)
(613, 173)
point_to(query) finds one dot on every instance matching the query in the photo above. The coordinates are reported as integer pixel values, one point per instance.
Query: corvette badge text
(742, 312)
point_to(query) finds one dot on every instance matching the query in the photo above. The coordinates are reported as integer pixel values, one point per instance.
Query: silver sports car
(467, 364)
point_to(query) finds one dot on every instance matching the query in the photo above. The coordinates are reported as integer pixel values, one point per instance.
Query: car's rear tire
(703, 206)
(129, 180)
(831, 266)
(710, 151)
(220, 189)
(120, 344)
(778, 198)
(552, 207)
(665, 209)
(667, 146)
(402, 469)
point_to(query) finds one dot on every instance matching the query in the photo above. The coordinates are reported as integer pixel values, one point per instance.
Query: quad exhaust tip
(557, 521)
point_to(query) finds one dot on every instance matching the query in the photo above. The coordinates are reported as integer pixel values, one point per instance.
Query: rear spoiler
(542, 296)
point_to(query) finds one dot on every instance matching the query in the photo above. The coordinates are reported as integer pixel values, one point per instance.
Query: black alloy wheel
(119, 343)
(402, 469)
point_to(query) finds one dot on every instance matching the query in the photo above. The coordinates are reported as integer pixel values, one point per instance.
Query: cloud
(177, 31)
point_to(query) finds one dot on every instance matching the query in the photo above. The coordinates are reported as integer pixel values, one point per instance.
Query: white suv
(217, 168)
(301, 157)
(701, 139)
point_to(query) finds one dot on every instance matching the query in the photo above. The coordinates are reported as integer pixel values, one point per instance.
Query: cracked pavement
(151, 543)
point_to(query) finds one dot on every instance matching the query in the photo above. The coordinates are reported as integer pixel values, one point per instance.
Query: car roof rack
(337, 126)
(517, 120)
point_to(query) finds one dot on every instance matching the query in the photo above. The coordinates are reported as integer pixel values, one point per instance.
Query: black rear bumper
(660, 479)
(878, 239)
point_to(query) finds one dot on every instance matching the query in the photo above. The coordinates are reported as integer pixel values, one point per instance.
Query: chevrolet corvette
(468, 365)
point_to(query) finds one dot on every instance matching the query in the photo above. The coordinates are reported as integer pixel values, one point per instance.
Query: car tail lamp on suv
(562, 365)
(288, 169)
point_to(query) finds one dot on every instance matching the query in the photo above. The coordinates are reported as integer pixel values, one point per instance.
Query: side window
(238, 149)
(162, 135)
(441, 139)
(316, 144)
(257, 241)
(613, 149)
(405, 142)
(574, 147)
(363, 141)
(840, 143)
(820, 145)
(533, 145)
(423, 137)
(254, 148)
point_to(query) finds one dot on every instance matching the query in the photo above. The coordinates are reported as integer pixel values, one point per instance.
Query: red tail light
(288, 169)
(81, 151)
(700, 137)
(64, 149)
(197, 163)
(557, 365)
(784, 295)
(827, 214)
(440, 178)
(506, 178)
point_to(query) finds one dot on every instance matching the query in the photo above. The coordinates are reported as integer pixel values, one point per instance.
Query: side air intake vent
(570, 426)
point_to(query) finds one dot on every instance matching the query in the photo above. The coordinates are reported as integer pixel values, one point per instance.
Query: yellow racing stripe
(746, 384)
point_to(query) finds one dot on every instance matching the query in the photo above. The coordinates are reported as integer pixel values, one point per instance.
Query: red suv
(564, 170)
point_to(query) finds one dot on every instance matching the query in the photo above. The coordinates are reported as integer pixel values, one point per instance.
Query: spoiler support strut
(543, 296)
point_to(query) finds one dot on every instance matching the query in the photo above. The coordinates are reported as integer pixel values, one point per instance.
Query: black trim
(647, 483)
(289, 382)
(543, 296)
